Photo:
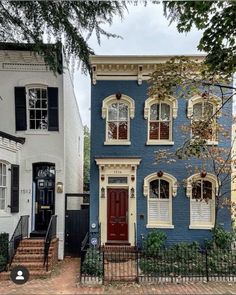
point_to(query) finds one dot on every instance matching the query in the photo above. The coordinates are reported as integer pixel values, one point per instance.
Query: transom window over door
(3, 186)
(118, 123)
(37, 108)
(160, 122)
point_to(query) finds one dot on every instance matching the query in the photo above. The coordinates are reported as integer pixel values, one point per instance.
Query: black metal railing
(50, 235)
(165, 265)
(21, 232)
(4, 251)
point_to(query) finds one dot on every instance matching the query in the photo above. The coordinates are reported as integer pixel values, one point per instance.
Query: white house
(41, 141)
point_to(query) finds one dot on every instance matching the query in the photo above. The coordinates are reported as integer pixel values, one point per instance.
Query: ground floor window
(3, 186)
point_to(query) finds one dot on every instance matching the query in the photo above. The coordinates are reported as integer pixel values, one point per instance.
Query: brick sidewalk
(65, 281)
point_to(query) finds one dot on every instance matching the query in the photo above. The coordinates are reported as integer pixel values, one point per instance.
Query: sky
(144, 31)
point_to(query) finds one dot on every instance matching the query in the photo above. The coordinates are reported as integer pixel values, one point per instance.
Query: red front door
(117, 215)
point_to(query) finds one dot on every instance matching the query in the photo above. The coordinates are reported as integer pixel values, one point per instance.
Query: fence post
(207, 270)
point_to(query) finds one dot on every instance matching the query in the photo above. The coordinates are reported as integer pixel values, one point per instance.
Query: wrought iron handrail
(50, 235)
(21, 232)
(85, 241)
(135, 235)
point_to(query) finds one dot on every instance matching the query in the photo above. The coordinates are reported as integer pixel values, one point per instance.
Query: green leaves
(217, 20)
(68, 22)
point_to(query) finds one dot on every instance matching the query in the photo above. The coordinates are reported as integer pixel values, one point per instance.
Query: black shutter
(15, 174)
(53, 109)
(20, 108)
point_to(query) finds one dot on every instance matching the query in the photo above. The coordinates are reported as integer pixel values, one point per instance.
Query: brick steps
(118, 249)
(30, 254)
(30, 257)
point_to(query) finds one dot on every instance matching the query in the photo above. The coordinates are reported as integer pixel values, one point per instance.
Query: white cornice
(129, 67)
(10, 145)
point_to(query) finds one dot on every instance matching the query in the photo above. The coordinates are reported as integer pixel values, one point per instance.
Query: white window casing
(3, 186)
(159, 210)
(202, 212)
(173, 109)
(127, 103)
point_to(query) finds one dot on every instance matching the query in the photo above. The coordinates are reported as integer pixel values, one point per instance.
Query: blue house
(132, 193)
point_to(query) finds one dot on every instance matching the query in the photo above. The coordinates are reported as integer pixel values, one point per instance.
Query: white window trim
(131, 112)
(209, 177)
(5, 212)
(214, 101)
(33, 131)
(173, 103)
(173, 192)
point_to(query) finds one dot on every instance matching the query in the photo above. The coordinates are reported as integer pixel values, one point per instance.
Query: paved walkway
(65, 281)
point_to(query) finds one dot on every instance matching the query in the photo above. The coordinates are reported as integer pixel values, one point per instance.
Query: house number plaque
(117, 172)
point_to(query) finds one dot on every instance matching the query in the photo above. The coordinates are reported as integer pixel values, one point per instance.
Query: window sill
(207, 227)
(4, 214)
(171, 226)
(117, 143)
(160, 142)
(29, 132)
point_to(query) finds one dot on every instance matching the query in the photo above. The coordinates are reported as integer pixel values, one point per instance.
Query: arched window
(202, 110)
(159, 192)
(160, 116)
(3, 186)
(202, 192)
(118, 113)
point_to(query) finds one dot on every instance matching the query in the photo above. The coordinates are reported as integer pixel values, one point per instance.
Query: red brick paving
(65, 281)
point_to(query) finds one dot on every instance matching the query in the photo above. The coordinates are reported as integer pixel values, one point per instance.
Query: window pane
(196, 190)
(1, 173)
(32, 114)
(44, 93)
(154, 130)
(164, 130)
(2, 198)
(165, 112)
(112, 130)
(154, 112)
(4, 180)
(164, 189)
(208, 110)
(123, 130)
(207, 189)
(44, 104)
(38, 114)
(32, 124)
(113, 112)
(154, 189)
(4, 172)
(197, 111)
(119, 180)
(123, 112)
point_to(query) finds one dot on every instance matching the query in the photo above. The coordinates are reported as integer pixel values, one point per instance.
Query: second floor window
(204, 123)
(37, 108)
(160, 122)
(118, 122)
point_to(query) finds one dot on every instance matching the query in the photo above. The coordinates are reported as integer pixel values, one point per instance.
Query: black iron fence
(21, 232)
(4, 248)
(167, 265)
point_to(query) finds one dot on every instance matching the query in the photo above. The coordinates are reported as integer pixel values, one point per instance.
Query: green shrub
(154, 241)
(92, 264)
(4, 237)
(221, 239)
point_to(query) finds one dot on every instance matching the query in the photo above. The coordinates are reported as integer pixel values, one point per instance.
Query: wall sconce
(132, 193)
(160, 173)
(102, 192)
(102, 177)
(132, 177)
(59, 187)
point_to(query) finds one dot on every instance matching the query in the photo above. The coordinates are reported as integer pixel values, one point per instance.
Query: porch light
(102, 192)
(132, 193)
(59, 187)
